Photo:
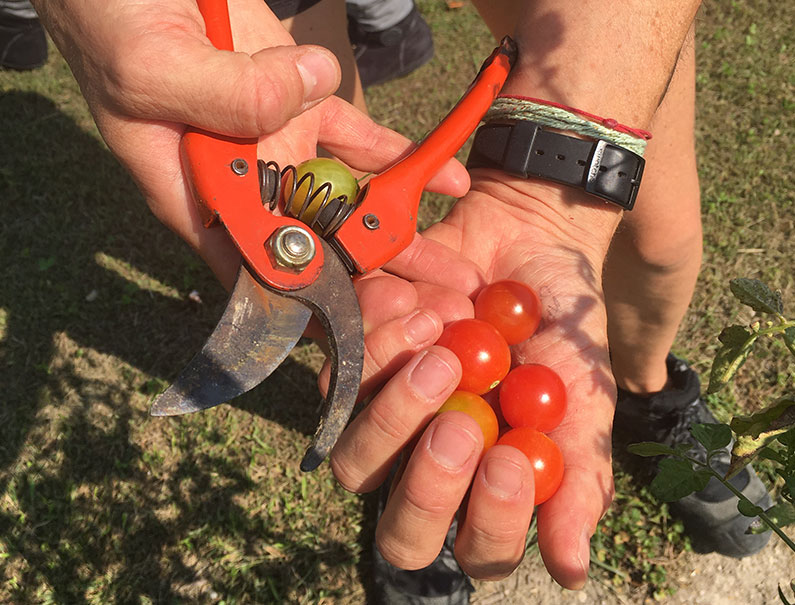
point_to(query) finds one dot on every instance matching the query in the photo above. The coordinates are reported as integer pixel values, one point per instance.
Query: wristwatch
(524, 148)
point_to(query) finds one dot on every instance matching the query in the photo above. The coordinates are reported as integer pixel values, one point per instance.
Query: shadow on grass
(93, 299)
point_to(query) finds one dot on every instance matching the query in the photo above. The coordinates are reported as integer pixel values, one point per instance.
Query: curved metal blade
(257, 331)
(334, 301)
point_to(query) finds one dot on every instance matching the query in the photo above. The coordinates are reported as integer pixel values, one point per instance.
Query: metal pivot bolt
(292, 247)
(239, 166)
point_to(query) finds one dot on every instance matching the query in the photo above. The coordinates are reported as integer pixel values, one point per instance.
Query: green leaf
(755, 431)
(756, 295)
(788, 439)
(790, 483)
(782, 513)
(778, 416)
(789, 339)
(749, 509)
(677, 479)
(734, 336)
(45, 263)
(737, 344)
(712, 436)
(650, 448)
(767, 453)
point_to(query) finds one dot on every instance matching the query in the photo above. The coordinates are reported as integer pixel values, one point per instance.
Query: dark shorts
(289, 8)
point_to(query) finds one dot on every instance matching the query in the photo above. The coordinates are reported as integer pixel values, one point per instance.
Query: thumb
(227, 92)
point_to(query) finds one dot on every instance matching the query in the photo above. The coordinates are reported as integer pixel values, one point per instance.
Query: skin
(555, 239)
(142, 103)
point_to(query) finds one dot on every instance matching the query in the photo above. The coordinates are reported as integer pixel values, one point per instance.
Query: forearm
(613, 59)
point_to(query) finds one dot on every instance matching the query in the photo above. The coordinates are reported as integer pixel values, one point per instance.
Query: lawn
(100, 503)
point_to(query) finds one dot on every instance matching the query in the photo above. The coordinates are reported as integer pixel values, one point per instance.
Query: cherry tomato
(534, 396)
(510, 306)
(325, 170)
(479, 409)
(484, 355)
(543, 454)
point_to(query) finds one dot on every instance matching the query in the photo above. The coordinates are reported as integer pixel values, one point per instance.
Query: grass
(99, 503)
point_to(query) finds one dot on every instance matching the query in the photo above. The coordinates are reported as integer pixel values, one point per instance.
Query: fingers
(431, 261)
(390, 347)
(155, 61)
(451, 305)
(364, 145)
(412, 529)
(567, 521)
(242, 95)
(491, 537)
(400, 319)
(371, 443)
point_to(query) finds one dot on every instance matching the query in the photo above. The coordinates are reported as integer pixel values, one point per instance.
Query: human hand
(147, 70)
(505, 228)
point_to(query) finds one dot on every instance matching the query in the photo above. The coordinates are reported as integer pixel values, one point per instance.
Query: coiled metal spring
(332, 211)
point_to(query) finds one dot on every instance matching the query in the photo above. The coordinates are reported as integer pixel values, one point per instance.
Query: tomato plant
(510, 306)
(543, 454)
(325, 170)
(533, 395)
(484, 355)
(479, 409)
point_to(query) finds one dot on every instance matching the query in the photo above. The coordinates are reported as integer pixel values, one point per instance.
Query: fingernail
(431, 375)
(503, 477)
(584, 555)
(319, 74)
(451, 445)
(421, 328)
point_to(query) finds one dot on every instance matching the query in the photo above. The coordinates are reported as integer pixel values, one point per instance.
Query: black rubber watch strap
(525, 149)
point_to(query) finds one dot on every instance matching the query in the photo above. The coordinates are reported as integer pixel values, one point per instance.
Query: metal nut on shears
(291, 248)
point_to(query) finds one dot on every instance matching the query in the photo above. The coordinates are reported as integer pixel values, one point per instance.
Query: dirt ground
(701, 580)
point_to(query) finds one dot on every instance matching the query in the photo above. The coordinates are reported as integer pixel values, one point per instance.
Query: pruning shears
(290, 269)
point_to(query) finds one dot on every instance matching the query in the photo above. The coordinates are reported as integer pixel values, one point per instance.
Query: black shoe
(443, 582)
(23, 45)
(392, 53)
(710, 516)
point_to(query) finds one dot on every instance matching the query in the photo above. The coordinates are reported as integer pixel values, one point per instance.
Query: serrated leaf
(757, 295)
(737, 343)
(650, 448)
(749, 509)
(677, 479)
(712, 436)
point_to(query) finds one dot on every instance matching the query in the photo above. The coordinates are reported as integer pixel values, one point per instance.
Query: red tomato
(533, 395)
(510, 306)
(484, 355)
(543, 454)
(479, 409)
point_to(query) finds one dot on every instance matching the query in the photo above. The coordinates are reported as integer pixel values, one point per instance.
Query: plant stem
(779, 327)
(762, 515)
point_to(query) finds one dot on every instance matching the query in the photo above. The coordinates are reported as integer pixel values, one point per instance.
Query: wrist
(570, 214)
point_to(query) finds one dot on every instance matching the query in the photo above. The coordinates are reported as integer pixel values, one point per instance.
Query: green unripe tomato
(325, 170)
